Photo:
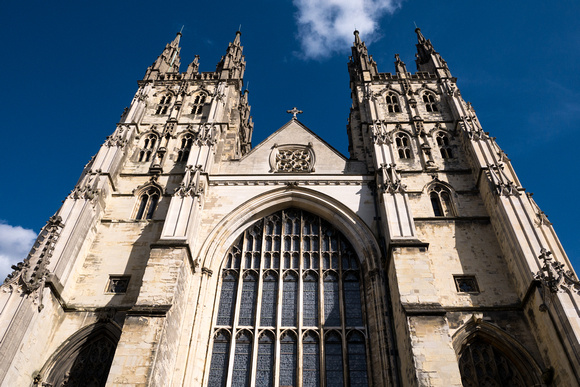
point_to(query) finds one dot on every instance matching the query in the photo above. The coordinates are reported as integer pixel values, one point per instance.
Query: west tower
(184, 256)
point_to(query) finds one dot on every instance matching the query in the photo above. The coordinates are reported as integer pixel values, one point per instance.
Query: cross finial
(294, 111)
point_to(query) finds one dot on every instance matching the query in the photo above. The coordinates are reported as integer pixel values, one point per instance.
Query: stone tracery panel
(292, 158)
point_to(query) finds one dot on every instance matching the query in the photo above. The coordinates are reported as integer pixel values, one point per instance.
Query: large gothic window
(482, 364)
(290, 309)
(441, 201)
(84, 361)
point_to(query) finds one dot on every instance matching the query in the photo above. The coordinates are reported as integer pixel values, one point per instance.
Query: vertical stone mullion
(257, 318)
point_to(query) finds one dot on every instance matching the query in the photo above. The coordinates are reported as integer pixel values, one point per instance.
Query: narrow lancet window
(393, 103)
(147, 203)
(441, 201)
(430, 102)
(444, 146)
(198, 103)
(184, 147)
(403, 144)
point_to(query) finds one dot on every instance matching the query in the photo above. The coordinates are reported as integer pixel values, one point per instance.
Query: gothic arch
(223, 236)
(71, 362)
(476, 331)
(445, 196)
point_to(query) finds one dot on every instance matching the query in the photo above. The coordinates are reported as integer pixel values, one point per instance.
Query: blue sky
(70, 69)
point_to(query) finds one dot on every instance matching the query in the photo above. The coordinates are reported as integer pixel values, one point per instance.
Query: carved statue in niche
(292, 158)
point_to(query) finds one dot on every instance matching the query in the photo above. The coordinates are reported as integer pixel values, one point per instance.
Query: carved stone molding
(553, 276)
(292, 158)
(29, 276)
(191, 184)
(391, 179)
(502, 183)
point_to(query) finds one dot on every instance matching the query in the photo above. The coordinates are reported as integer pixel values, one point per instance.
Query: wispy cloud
(15, 243)
(326, 26)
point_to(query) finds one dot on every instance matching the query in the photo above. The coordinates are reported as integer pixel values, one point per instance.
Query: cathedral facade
(185, 257)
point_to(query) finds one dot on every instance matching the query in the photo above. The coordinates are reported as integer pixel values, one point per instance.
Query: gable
(292, 149)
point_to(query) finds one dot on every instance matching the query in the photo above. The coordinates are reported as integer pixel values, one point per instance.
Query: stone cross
(294, 111)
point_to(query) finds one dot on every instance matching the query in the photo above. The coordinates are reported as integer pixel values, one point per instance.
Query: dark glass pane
(227, 298)
(288, 361)
(142, 206)
(265, 365)
(242, 362)
(310, 363)
(289, 300)
(92, 364)
(310, 300)
(353, 310)
(248, 301)
(269, 301)
(331, 301)
(333, 358)
(357, 363)
(219, 362)
(436, 205)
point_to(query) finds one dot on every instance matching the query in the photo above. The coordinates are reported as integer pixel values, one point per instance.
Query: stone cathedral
(185, 257)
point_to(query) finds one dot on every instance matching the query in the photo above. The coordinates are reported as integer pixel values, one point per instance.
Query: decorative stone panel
(292, 158)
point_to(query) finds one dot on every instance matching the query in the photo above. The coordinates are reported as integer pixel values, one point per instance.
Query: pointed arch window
(430, 102)
(393, 103)
(483, 364)
(444, 145)
(441, 201)
(147, 203)
(184, 147)
(198, 103)
(164, 104)
(147, 148)
(299, 302)
(403, 143)
(85, 359)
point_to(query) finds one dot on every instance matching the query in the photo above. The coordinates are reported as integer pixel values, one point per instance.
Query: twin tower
(185, 257)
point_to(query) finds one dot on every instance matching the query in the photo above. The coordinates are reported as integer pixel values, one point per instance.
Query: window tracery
(299, 273)
(292, 158)
(444, 145)
(198, 103)
(403, 143)
(430, 102)
(392, 103)
(482, 364)
(441, 201)
(164, 104)
(184, 147)
(147, 203)
(147, 148)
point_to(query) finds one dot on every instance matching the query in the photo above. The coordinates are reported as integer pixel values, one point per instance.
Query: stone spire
(232, 64)
(428, 59)
(167, 62)
(361, 63)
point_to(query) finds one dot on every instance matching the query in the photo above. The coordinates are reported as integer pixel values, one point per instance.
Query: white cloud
(15, 243)
(327, 26)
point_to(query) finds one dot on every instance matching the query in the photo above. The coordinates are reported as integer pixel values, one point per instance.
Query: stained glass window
(331, 302)
(310, 361)
(333, 359)
(357, 363)
(248, 302)
(219, 359)
(265, 364)
(482, 364)
(289, 299)
(310, 299)
(275, 259)
(269, 299)
(242, 360)
(288, 359)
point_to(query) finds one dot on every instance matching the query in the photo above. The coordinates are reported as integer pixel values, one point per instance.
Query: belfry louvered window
(290, 307)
